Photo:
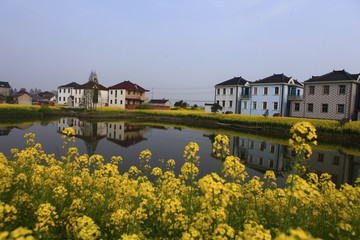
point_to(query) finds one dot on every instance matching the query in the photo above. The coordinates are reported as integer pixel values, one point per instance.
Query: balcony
(294, 97)
(245, 96)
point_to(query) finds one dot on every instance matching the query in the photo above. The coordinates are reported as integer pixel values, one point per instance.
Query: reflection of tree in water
(91, 136)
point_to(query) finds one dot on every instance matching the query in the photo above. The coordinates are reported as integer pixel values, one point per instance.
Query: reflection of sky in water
(167, 143)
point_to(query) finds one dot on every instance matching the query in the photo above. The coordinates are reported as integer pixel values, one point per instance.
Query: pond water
(127, 139)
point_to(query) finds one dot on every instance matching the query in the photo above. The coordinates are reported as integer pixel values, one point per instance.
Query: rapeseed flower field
(86, 197)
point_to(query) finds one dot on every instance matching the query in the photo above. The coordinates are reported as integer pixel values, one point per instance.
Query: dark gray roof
(4, 84)
(158, 101)
(276, 78)
(72, 84)
(340, 75)
(234, 81)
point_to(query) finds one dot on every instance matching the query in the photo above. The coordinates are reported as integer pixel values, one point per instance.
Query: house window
(224, 91)
(231, 91)
(120, 101)
(262, 146)
(129, 92)
(261, 161)
(223, 103)
(59, 99)
(110, 92)
(251, 157)
(69, 90)
(297, 107)
(275, 105)
(218, 102)
(310, 107)
(251, 144)
(75, 100)
(64, 99)
(230, 103)
(340, 108)
(265, 91)
(326, 89)
(264, 105)
(121, 92)
(324, 108)
(311, 90)
(245, 104)
(254, 105)
(115, 101)
(218, 91)
(320, 157)
(110, 101)
(276, 91)
(115, 93)
(336, 160)
(272, 148)
(342, 89)
(255, 90)
(271, 163)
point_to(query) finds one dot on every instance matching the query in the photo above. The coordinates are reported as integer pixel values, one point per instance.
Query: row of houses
(23, 97)
(126, 95)
(334, 95)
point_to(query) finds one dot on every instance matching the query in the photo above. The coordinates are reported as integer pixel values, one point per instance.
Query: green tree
(216, 107)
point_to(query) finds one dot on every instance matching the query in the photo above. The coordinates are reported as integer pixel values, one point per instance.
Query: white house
(90, 94)
(229, 94)
(65, 91)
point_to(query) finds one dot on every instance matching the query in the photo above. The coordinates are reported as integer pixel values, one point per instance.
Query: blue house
(271, 96)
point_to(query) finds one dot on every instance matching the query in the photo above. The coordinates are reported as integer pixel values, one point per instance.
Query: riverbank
(280, 125)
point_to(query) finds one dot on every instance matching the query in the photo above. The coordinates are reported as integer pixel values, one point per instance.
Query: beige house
(127, 95)
(334, 95)
(23, 98)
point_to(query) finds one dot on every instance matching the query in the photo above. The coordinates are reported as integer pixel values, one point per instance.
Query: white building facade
(229, 94)
(65, 91)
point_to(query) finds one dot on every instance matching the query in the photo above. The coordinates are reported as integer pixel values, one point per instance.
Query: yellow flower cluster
(221, 146)
(86, 197)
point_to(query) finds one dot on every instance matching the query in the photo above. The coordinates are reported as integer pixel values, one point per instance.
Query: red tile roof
(127, 85)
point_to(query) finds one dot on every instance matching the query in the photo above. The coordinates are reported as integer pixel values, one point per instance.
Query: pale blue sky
(178, 48)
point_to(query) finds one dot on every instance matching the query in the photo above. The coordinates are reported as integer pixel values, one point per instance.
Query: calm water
(128, 140)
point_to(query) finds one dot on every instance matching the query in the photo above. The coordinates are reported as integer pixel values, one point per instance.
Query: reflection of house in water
(4, 131)
(258, 154)
(90, 132)
(125, 134)
(263, 155)
(342, 167)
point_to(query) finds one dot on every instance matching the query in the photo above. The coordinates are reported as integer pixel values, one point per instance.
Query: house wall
(24, 99)
(63, 94)
(78, 95)
(117, 98)
(227, 100)
(333, 99)
(5, 91)
(300, 112)
(258, 96)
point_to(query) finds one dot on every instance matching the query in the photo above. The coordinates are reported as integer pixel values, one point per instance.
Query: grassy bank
(323, 126)
(27, 110)
(330, 127)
